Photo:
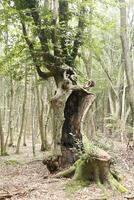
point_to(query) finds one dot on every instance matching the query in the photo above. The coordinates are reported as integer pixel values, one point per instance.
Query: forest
(67, 99)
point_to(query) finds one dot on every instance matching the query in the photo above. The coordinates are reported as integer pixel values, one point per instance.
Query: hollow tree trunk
(76, 108)
(68, 110)
(93, 166)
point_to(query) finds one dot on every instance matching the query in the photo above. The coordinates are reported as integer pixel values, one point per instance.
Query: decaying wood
(129, 197)
(76, 107)
(69, 105)
(4, 194)
(93, 166)
(7, 195)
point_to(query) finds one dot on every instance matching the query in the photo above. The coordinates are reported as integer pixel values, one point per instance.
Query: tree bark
(71, 146)
(10, 131)
(68, 111)
(23, 115)
(94, 166)
(126, 55)
(40, 110)
(1, 138)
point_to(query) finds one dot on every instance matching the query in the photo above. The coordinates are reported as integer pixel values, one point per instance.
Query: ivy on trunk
(56, 53)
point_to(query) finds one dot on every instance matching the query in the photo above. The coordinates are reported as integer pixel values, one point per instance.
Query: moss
(116, 184)
(92, 168)
(11, 162)
(82, 171)
(75, 185)
(66, 173)
(4, 154)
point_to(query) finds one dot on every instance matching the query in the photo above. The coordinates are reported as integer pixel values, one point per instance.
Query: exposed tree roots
(92, 168)
(93, 163)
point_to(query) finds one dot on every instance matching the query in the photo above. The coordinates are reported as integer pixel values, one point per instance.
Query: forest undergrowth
(24, 177)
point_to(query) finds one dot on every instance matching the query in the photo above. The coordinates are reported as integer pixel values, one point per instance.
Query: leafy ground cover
(23, 177)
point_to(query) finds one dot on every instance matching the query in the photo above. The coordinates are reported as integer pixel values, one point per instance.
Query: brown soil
(24, 177)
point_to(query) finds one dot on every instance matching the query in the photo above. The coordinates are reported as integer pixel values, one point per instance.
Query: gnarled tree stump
(93, 164)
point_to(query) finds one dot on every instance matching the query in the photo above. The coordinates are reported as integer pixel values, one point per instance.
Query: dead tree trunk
(72, 148)
(71, 102)
(76, 107)
(93, 163)
(69, 110)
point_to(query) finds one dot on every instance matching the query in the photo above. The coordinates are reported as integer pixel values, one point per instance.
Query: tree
(128, 64)
(23, 114)
(54, 42)
(1, 138)
(54, 51)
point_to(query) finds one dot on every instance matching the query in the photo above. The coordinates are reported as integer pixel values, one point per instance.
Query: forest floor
(23, 176)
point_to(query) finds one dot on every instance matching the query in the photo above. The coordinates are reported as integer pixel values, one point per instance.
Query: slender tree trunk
(10, 131)
(33, 120)
(40, 110)
(11, 115)
(111, 103)
(25, 131)
(87, 58)
(123, 122)
(49, 115)
(1, 138)
(23, 114)
(126, 55)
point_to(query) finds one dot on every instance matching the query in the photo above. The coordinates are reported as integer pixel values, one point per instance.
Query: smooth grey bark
(23, 115)
(10, 131)
(40, 110)
(1, 137)
(33, 111)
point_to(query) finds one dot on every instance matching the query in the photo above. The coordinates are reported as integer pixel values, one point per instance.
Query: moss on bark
(91, 169)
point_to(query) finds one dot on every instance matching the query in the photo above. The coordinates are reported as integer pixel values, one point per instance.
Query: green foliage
(24, 4)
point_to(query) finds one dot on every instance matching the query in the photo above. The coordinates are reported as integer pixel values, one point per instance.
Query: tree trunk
(93, 166)
(68, 112)
(126, 55)
(1, 138)
(10, 131)
(23, 115)
(71, 146)
(58, 105)
(25, 131)
(76, 108)
(40, 110)
(33, 121)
